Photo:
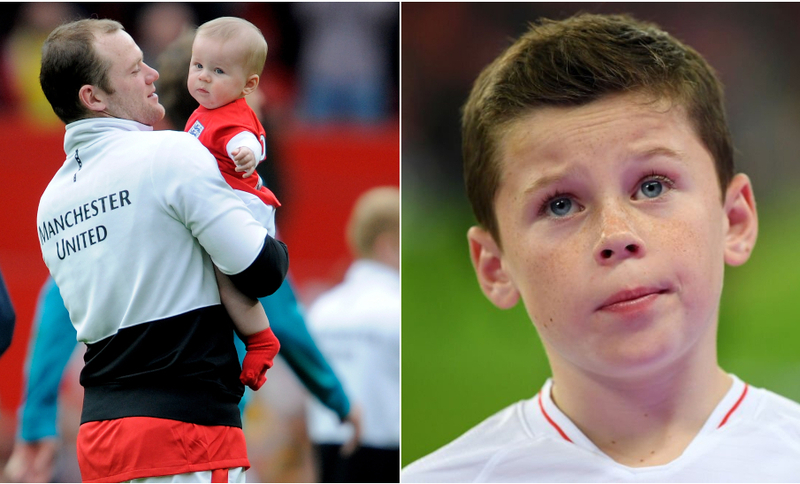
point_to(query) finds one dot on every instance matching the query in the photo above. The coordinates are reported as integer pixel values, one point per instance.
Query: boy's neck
(646, 420)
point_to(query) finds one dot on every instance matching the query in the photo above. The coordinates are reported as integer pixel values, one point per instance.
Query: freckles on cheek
(693, 243)
(682, 245)
(697, 257)
(544, 292)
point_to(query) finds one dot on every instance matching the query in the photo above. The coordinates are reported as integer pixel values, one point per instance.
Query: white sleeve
(201, 199)
(248, 140)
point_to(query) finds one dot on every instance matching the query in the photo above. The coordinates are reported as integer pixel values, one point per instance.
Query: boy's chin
(641, 358)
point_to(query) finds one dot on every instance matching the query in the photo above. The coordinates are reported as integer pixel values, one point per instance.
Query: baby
(228, 55)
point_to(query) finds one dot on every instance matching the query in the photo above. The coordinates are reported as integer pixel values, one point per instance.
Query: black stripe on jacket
(181, 368)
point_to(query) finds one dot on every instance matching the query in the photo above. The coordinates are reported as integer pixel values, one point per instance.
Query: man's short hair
(253, 44)
(70, 61)
(576, 61)
(377, 211)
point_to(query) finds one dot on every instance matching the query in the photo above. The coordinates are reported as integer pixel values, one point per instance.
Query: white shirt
(130, 224)
(357, 327)
(261, 211)
(753, 435)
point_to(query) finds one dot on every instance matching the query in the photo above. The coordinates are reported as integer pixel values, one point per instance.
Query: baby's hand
(245, 160)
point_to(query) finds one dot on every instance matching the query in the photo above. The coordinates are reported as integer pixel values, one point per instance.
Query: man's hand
(245, 160)
(354, 418)
(32, 461)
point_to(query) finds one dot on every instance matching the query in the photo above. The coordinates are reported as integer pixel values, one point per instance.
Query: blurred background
(329, 102)
(463, 359)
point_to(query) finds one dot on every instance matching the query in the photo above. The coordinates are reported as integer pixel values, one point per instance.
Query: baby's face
(216, 75)
(613, 234)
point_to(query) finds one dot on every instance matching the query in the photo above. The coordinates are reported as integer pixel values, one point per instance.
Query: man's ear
(487, 259)
(742, 226)
(93, 98)
(250, 85)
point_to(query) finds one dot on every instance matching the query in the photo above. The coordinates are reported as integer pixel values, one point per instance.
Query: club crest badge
(197, 128)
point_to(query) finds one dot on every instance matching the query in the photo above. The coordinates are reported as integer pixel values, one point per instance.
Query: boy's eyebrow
(660, 151)
(547, 180)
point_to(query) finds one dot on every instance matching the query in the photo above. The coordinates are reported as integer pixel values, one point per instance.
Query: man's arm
(7, 317)
(201, 199)
(266, 273)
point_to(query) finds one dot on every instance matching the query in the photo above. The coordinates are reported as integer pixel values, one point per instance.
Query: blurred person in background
(357, 324)
(53, 340)
(23, 53)
(160, 24)
(343, 63)
(7, 317)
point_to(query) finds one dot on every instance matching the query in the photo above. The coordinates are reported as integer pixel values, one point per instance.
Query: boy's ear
(742, 226)
(92, 97)
(251, 84)
(487, 260)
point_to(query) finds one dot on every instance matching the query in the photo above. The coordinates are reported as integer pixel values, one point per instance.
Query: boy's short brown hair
(70, 61)
(254, 46)
(576, 61)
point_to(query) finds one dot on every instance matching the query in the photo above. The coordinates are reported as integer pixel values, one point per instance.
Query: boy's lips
(631, 298)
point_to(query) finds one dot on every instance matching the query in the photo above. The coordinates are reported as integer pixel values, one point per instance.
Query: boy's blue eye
(560, 206)
(218, 71)
(651, 188)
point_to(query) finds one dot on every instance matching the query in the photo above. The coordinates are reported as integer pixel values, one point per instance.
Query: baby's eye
(653, 187)
(218, 71)
(198, 65)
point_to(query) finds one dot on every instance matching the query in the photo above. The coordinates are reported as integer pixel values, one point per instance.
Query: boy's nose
(618, 241)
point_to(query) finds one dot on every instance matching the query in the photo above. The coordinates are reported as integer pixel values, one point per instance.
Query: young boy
(599, 166)
(228, 55)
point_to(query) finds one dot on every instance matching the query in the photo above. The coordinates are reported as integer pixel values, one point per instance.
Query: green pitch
(463, 359)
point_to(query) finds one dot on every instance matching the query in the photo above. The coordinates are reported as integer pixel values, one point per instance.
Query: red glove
(261, 350)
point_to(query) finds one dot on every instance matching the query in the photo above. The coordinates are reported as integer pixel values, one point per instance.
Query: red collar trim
(550, 420)
(564, 435)
(735, 406)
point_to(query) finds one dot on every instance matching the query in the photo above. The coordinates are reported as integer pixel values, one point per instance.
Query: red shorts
(134, 447)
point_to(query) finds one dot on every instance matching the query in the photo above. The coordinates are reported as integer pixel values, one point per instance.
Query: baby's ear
(250, 85)
(742, 226)
(487, 259)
